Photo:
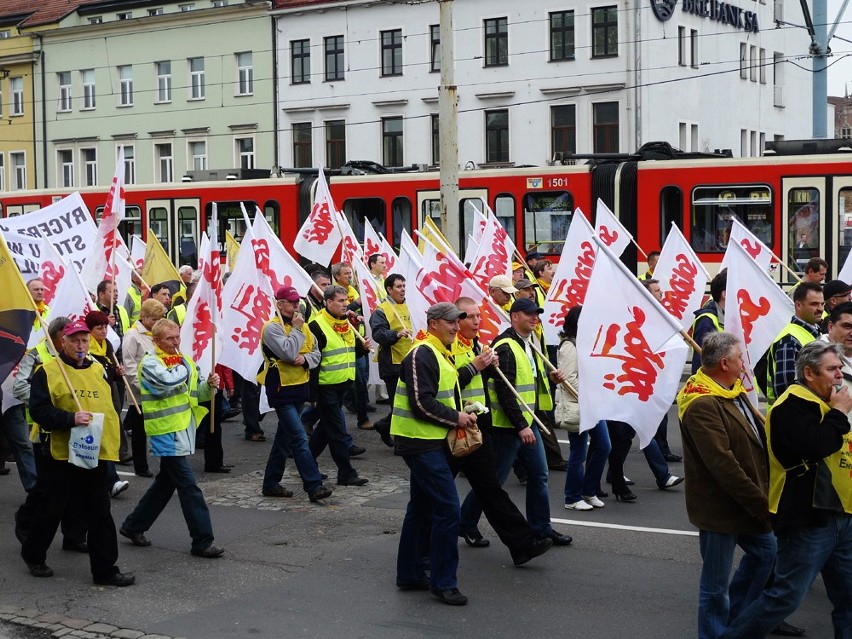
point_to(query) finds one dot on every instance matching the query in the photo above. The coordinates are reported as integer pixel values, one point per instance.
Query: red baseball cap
(78, 326)
(287, 293)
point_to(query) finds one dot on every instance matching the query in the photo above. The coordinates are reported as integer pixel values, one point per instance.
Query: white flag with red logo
(198, 331)
(682, 277)
(350, 250)
(410, 266)
(492, 321)
(750, 243)
(630, 353)
(51, 271)
(247, 304)
(452, 278)
(369, 302)
(137, 252)
(494, 254)
(100, 265)
(756, 309)
(571, 279)
(376, 244)
(610, 230)
(319, 236)
(274, 260)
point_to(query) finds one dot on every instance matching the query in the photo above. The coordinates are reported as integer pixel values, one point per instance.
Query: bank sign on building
(537, 80)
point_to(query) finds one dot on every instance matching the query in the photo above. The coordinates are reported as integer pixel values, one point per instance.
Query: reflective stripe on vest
(171, 413)
(404, 422)
(833, 488)
(94, 395)
(179, 313)
(393, 313)
(801, 335)
(136, 297)
(474, 391)
(529, 387)
(288, 374)
(338, 359)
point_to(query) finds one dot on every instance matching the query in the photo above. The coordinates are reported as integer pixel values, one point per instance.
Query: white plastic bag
(84, 445)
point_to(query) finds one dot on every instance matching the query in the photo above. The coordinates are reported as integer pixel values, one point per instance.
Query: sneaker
(579, 505)
(118, 487)
(593, 501)
(672, 481)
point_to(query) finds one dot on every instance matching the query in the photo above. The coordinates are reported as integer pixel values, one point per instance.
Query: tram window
(803, 233)
(401, 218)
(188, 234)
(547, 216)
(671, 210)
(231, 218)
(504, 209)
(432, 208)
(844, 224)
(158, 221)
(273, 215)
(130, 225)
(1, 210)
(468, 208)
(713, 208)
(368, 208)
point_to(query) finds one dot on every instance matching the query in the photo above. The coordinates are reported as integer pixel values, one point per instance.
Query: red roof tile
(40, 12)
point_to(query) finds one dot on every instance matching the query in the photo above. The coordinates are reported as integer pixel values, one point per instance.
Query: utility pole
(448, 130)
(820, 52)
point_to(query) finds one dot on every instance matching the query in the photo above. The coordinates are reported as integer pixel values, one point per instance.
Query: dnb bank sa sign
(714, 10)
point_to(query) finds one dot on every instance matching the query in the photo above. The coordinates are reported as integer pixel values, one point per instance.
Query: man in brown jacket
(727, 480)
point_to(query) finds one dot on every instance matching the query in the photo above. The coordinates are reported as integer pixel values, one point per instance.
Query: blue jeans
(291, 441)
(802, 553)
(657, 463)
(175, 474)
(507, 446)
(18, 438)
(720, 597)
(331, 430)
(584, 475)
(434, 506)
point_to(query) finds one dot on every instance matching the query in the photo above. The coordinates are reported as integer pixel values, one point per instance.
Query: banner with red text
(495, 253)
(198, 331)
(319, 236)
(610, 229)
(376, 244)
(682, 277)
(274, 260)
(758, 251)
(416, 280)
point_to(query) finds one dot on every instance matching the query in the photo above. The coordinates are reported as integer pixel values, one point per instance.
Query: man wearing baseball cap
(53, 407)
(835, 293)
(289, 353)
(501, 289)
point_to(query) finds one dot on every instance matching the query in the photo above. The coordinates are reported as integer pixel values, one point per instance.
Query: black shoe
(371, 408)
(137, 538)
(125, 462)
(785, 629)
(323, 476)
(350, 408)
(220, 469)
(560, 466)
(451, 596)
(278, 491)
(386, 402)
(625, 496)
(383, 429)
(522, 479)
(356, 450)
(532, 550)
(232, 413)
(144, 473)
(75, 546)
(320, 493)
(354, 481)
(119, 580)
(601, 494)
(40, 570)
(211, 552)
(671, 457)
(417, 585)
(559, 539)
(474, 539)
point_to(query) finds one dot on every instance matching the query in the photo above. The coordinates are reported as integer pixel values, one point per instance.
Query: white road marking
(599, 524)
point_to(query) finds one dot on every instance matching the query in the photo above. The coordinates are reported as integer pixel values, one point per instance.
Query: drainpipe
(275, 122)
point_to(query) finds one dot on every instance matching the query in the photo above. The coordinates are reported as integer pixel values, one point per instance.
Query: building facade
(536, 80)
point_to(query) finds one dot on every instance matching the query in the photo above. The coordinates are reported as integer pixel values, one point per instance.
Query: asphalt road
(293, 568)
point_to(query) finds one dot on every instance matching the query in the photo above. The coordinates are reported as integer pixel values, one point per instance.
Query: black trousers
(214, 456)
(138, 440)
(383, 425)
(250, 399)
(480, 468)
(621, 435)
(67, 486)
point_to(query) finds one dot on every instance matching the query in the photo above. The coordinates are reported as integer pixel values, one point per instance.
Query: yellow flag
(17, 313)
(158, 267)
(232, 247)
(431, 230)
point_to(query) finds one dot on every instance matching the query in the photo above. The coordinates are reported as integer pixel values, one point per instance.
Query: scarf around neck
(340, 326)
(700, 385)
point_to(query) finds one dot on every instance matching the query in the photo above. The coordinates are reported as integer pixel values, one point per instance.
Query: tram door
(175, 223)
(470, 201)
(805, 225)
(841, 239)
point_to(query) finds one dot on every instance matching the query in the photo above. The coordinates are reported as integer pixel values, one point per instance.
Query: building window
(604, 32)
(497, 136)
(65, 165)
(752, 63)
(561, 35)
(693, 48)
(845, 133)
(391, 52)
(605, 127)
(164, 81)
(197, 155)
(87, 77)
(333, 58)
(64, 79)
(563, 129)
(89, 159)
(129, 162)
(245, 74)
(435, 48)
(18, 160)
(124, 15)
(158, 11)
(436, 139)
(96, 20)
(681, 46)
(392, 141)
(496, 42)
(165, 167)
(743, 61)
(300, 61)
(190, 6)
(2, 173)
(125, 83)
(196, 78)
(762, 67)
(17, 85)
(335, 143)
(220, 3)
(245, 152)
(302, 145)
(778, 79)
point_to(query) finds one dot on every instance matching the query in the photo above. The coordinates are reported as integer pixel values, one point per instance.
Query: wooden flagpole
(55, 353)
